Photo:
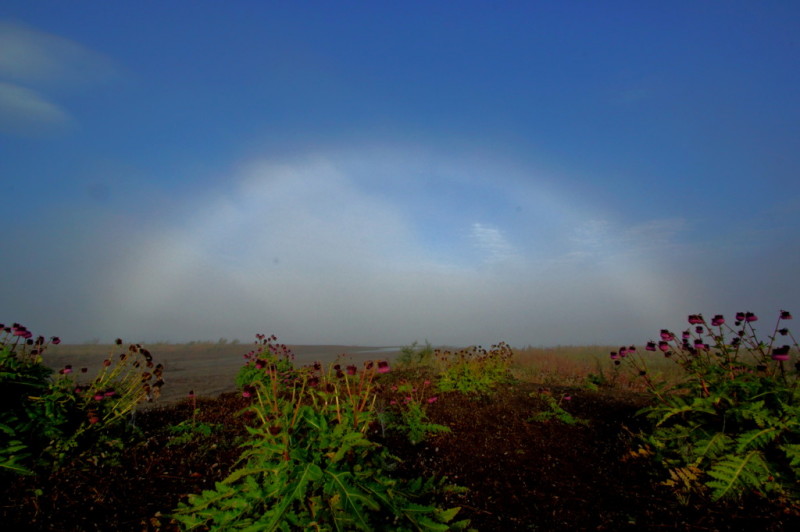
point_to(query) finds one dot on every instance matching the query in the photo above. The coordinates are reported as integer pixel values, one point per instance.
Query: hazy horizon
(543, 174)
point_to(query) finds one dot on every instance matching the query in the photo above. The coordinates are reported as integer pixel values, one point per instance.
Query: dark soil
(519, 474)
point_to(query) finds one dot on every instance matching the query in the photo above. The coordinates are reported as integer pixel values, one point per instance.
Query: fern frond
(736, 473)
(756, 439)
(717, 444)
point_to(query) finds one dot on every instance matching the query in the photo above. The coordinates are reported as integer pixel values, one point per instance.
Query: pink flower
(98, 396)
(432, 399)
(663, 346)
(383, 367)
(695, 319)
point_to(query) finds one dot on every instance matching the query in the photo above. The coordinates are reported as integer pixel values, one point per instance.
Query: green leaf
(756, 439)
(297, 492)
(736, 473)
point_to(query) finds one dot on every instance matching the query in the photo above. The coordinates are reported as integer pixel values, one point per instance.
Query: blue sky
(379, 172)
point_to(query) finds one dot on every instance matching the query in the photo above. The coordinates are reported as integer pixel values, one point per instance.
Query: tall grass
(576, 365)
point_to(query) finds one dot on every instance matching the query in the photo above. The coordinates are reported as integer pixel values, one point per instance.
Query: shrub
(414, 356)
(474, 370)
(409, 407)
(48, 418)
(309, 464)
(731, 427)
(268, 354)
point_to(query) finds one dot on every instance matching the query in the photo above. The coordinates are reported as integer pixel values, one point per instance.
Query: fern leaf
(736, 473)
(756, 439)
(717, 444)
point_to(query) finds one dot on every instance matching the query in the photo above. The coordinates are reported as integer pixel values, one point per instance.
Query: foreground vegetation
(699, 429)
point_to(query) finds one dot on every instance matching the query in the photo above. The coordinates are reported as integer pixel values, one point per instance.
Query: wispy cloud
(492, 243)
(601, 239)
(35, 57)
(33, 66)
(24, 110)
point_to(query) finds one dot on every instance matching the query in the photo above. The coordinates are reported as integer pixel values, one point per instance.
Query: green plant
(731, 427)
(554, 410)
(267, 354)
(413, 356)
(474, 370)
(191, 429)
(309, 464)
(409, 408)
(47, 420)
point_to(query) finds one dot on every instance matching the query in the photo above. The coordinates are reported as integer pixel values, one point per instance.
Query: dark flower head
(749, 316)
(614, 355)
(783, 331)
(780, 353)
(717, 320)
(786, 315)
(695, 319)
(118, 341)
(55, 340)
(686, 334)
(623, 352)
(383, 367)
(740, 316)
(651, 346)
(698, 330)
(351, 370)
(631, 349)
(663, 346)
(666, 335)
